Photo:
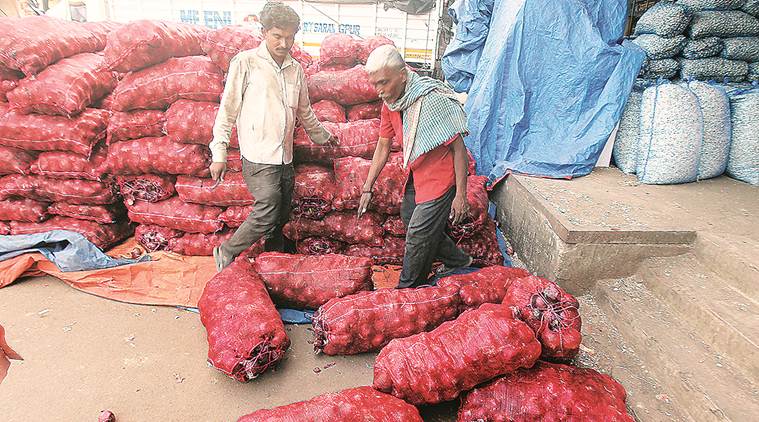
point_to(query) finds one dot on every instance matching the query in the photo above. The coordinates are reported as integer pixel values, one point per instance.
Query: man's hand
(363, 205)
(459, 209)
(217, 171)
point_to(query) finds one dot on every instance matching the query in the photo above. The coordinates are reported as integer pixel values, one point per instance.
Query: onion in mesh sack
(37, 132)
(547, 392)
(144, 43)
(135, 125)
(487, 285)
(65, 88)
(191, 78)
(147, 187)
(307, 281)
(245, 333)
(155, 238)
(486, 342)
(549, 311)
(361, 404)
(368, 321)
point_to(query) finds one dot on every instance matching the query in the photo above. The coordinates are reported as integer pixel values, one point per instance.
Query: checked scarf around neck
(431, 116)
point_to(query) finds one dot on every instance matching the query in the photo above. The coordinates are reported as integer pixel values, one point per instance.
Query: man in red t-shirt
(424, 114)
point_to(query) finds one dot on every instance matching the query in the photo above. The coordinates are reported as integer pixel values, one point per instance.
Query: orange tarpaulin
(168, 279)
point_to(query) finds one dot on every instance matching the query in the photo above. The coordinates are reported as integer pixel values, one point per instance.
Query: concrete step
(604, 350)
(733, 257)
(723, 317)
(691, 372)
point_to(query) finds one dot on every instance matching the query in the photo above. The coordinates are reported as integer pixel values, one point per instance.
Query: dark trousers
(272, 187)
(426, 239)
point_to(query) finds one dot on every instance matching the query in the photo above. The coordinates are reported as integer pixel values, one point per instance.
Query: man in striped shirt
(425, 114)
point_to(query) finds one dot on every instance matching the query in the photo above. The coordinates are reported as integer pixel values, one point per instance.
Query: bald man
(425, 114)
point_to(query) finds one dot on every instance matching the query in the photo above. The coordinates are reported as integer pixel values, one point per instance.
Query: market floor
(84, 354)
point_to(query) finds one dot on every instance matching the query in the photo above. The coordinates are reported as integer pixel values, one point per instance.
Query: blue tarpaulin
(550, 82)
(69, 251)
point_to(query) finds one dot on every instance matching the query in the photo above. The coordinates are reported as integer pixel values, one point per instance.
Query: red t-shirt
(433, 172)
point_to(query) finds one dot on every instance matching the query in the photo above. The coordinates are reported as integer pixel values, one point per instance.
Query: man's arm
(226, 118)
(315, 130)
(381, 153)
(460, 206)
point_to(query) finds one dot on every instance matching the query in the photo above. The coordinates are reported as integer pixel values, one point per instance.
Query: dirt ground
(84, 354)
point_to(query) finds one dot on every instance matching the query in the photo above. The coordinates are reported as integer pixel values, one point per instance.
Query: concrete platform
(604, 224)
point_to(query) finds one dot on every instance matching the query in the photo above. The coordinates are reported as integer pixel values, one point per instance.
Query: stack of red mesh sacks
(323, 210)
(163, 111)
(54, 170)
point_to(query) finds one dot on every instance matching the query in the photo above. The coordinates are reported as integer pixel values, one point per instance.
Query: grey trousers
(426, 239)
(272, 187)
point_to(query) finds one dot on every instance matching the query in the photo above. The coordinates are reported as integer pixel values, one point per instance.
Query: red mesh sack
(483, 246)
(487, 285)
(103, 214)
(232, 191)
(365, 111)
(197, 244)
(308, 281)
(33, 43)
(101, 235)
(477, 197)
(390, 253)
(155, 238)
(191, 122)
(15, 161)
(394, 226)
(547, 392)
(357, 139)
(5, 229)
(19, 185)
(190, 78)
(27, 210)
(178, 215)
(550, 311)
(66, 165)
(367, 45)
(329, 111)
(245, 333)
(223, 44)
(36, 132)
(8, 81)
(387, 191)
(434, 367)
(368, 321)
(344, 227)
(65, 88)
(159, 156)
(354, 404)
(101, 29)
(347, 87)
(146, 187)
(135, 125)
(144, 43)
(235, 216)
(339, 49)
(314, 191)
(319, 246)
(75, 191)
